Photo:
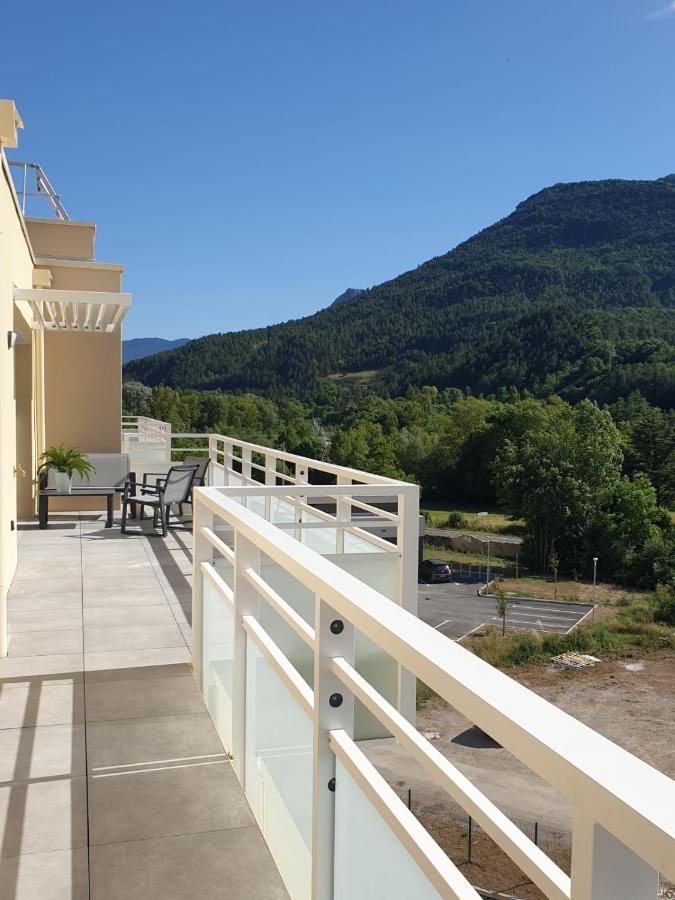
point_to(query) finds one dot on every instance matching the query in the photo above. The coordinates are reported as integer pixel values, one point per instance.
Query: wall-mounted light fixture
(12, 338)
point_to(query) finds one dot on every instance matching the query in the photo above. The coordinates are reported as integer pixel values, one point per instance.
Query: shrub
(455, 519)
(639, 611)
(664, 604)
(524, 648)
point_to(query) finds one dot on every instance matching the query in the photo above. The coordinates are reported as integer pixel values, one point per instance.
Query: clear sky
(248, 161)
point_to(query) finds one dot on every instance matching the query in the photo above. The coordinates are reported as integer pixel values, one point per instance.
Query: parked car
(435, 570)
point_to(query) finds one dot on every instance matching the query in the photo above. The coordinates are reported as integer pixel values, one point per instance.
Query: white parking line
(444, 622)
(538, 607)
(531, 616)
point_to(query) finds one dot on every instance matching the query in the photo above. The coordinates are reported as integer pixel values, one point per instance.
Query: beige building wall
(83, 397)
(82, 372)
(54, 237)
(16, 268)
(55, 387)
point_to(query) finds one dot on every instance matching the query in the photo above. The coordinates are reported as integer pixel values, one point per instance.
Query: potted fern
(64, 461)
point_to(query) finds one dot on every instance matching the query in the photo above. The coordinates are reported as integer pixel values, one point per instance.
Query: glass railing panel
(370, 861)
(278, 778)
(217, 644)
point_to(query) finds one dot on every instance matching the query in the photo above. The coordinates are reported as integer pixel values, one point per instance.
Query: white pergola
(75, 311)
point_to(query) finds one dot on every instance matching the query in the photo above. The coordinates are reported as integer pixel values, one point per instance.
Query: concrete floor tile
(125, 665)
(42, 643)
(186, 631)
(43, 816)
(32, 587)
(119, 599)
(59, 875)
(27, 705)
(128, 616)
(44, 619)
(181, 611)
(43, 600)
(138, 805)
(234, 863)
(49, 570)
(138, 742)
(120, 580)
(61, 668)
(107, 700)
(44, 752)
(138, 637)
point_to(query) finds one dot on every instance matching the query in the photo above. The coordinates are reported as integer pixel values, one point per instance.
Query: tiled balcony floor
(113, 782)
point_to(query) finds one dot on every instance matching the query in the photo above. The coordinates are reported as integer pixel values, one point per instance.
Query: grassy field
(495, 522)
(580, 591)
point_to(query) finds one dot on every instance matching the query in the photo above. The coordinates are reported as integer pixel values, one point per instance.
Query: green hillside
(573, 293)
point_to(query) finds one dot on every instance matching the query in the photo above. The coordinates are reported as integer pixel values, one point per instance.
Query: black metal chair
(175, 487)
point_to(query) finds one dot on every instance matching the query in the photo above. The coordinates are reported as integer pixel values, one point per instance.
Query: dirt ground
(635, 708)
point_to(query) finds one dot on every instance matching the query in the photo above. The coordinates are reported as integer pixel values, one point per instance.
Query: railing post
(333, 709)
(246, 464)
(343, 513)
(213, 456)
(228, 456)
(246, 556)
(202, 552)
(605, 869)
(270, 481)
(407, 545)
(300, 478)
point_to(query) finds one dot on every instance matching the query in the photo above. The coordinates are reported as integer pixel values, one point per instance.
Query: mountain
(572, 293)
(138, 348)
(349, 294)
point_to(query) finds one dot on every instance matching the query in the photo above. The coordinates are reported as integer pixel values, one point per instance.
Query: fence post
(333, 709)
(536, 834)
(410, 799)
(469, 836)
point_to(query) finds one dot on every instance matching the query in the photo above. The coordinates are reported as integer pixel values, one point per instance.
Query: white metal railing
(144, 426)
(276, 631)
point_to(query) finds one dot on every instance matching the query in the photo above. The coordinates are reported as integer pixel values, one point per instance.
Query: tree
(556, 476)
(554, 562)
(136, 399)
(502, 604)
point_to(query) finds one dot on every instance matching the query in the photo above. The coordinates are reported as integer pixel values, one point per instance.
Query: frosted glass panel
(281, 510)
(370, 861)
(279, 772)
(217, 644)
(356, 544)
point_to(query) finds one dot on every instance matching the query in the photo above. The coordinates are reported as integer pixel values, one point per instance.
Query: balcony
(130, 775)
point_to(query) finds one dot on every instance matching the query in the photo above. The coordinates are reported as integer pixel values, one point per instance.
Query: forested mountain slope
(573, 293)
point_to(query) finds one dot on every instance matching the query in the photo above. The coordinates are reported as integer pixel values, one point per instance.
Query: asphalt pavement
(456, 609)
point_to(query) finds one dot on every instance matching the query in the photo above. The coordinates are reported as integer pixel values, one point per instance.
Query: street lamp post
(595, 573)
(487, 581)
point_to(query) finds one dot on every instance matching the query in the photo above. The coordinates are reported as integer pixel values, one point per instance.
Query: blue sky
(248, 161)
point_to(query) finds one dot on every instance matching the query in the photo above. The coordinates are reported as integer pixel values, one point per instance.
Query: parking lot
(456, 609)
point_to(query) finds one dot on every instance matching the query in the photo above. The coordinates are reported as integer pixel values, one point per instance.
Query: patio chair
(174, 488)
(202, 463)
